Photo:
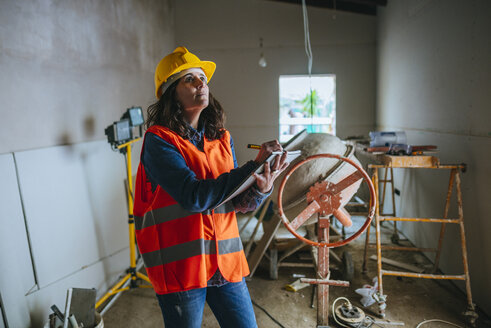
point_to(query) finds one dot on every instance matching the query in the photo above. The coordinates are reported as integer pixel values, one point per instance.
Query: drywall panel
(106, 184)
(423, 194)
(434, 67)
(58, 211)
(70, 68)
(75, 206)
(100, 275)
(88, 247)
(17, 277)
(433, 82)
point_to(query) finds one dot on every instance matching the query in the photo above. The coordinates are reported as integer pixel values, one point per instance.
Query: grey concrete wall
(434, 79)
(342, 44)
(69, 69)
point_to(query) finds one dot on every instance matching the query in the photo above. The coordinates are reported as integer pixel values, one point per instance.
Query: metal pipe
(365, 251)
(323, 272)
(462, 240)
(381, 302)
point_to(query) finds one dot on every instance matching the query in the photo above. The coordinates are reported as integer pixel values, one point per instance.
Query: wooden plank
(270, 228)
(398, 264)
(411, 161)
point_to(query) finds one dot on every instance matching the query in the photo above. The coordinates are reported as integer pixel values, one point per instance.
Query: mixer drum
(326, 169)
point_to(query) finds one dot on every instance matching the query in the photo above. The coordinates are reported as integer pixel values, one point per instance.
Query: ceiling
(365, 7)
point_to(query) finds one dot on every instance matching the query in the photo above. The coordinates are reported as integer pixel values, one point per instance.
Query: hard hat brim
(207, 66)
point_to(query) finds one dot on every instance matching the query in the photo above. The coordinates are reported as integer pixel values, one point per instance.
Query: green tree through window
(311, 104)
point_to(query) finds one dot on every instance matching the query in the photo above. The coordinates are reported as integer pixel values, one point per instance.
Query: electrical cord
(367, 322)
(308, 49)
(267, 313)
(419, 325)
(334, 312)
(437, 320)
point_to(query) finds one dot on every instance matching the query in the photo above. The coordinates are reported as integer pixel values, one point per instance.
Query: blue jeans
(231, 304)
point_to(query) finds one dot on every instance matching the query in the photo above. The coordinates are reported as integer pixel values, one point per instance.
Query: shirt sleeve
(233, 151)
(249, 200)
(165, 166)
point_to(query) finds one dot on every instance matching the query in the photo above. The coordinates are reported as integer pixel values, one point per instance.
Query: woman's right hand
(264, 181)
(267, 149)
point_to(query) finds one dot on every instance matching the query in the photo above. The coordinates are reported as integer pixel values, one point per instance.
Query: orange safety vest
(182, 250)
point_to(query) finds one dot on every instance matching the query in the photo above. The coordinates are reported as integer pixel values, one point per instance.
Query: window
(307, 103)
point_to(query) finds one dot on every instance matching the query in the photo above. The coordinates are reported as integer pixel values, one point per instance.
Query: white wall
(434, 79)
(228, 32)
(69, 69)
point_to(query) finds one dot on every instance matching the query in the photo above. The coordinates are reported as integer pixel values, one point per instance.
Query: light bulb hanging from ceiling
(262, 61)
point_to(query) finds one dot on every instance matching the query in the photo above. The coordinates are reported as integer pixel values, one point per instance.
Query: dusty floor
(409, 300)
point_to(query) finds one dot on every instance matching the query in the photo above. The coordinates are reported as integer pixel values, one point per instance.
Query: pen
(253, 146)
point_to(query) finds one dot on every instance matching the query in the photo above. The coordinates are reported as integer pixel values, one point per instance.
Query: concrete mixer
(314, 190)
(312, 172)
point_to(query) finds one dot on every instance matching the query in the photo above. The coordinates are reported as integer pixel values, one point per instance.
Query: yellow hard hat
(179, 60)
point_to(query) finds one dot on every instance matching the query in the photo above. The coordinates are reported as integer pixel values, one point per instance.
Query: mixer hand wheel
(324, 198)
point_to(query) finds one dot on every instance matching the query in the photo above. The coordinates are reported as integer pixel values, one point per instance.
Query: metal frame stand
(415, 162)
(324, 198)
(323, 273)
(389, 180)
(132, 274)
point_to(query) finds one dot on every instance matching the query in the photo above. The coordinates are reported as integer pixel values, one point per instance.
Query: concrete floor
(409, 300)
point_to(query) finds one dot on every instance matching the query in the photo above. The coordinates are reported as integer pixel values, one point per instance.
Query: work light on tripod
(121, 131)
(120, 136)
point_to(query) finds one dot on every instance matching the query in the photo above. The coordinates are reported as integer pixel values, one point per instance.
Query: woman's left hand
(264, 181)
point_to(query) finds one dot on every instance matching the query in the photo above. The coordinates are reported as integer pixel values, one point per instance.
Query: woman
(191, 248)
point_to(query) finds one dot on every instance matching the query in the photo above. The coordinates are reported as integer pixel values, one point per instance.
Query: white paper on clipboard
(249, 180)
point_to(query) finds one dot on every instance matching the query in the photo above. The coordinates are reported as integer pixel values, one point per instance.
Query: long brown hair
(167, 112)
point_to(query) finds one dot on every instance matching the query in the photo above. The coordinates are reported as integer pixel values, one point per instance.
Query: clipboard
(249, 180)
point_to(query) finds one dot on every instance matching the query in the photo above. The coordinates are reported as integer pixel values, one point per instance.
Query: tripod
(129, 281)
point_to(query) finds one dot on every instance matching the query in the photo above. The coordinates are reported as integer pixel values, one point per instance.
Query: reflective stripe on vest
(174, 212)
(189, 249)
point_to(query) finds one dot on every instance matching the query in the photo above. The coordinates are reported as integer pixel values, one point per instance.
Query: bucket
(99, 323)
